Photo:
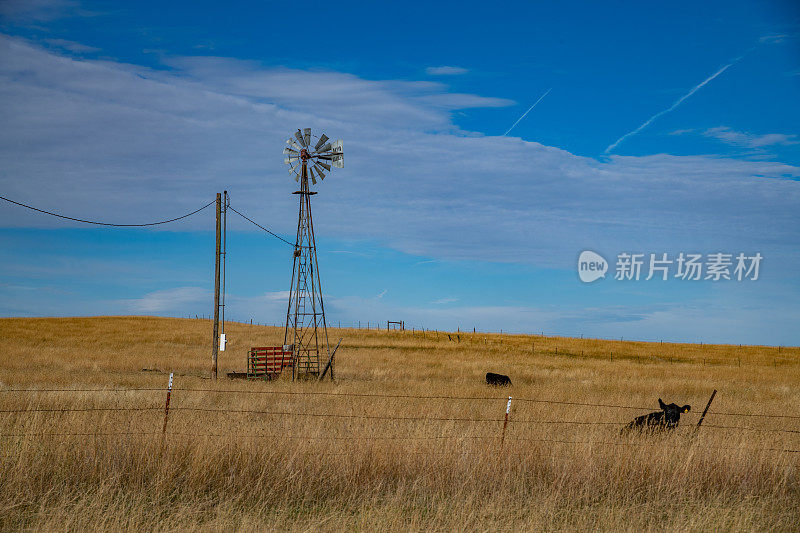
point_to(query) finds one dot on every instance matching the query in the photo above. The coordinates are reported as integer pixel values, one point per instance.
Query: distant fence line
(412, 329)
(473, 337)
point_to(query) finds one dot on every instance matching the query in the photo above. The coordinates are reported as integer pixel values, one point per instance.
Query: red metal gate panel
(268, 362)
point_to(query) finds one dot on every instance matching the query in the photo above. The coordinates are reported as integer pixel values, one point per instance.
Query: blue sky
(130, 112)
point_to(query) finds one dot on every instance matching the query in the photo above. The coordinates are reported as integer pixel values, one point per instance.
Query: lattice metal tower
(306, 329)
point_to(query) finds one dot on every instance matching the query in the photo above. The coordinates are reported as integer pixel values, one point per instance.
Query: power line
(106, 223)
(260, 226)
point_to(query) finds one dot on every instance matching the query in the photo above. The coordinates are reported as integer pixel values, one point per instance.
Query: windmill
(305, 316)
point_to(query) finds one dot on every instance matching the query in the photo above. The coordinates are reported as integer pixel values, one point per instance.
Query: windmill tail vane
(309, 157)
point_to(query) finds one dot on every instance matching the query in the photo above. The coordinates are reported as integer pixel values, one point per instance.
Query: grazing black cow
(497, 380)
(667, 418)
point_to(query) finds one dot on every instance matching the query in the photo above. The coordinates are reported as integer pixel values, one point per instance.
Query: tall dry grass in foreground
(374, 465)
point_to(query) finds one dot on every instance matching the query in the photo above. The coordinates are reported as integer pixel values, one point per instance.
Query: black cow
(667, 418)
(497, 380)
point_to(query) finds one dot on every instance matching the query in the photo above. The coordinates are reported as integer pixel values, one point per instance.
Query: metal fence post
(166, 407)
(505, 423)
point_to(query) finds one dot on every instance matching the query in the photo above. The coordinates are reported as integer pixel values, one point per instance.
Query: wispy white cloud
(773, 38)
(349, 252)
(175, 300)
(277, 295)
(678, 102)
(37, 10)
(72, 46)
(445, 71)
(750, 140)
(443, 301)
(35, 288)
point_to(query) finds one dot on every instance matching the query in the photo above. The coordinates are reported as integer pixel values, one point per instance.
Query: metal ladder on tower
(307, 365)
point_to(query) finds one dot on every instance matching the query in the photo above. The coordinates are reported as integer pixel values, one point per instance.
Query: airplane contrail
(673, 106)
(528, 111)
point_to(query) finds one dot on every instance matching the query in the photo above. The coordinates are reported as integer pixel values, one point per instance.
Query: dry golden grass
(232, 469)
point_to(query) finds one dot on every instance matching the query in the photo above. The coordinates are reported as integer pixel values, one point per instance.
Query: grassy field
(365, 452)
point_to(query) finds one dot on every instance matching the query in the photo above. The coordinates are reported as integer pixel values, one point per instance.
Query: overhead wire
(260, 226)
(105, 223)
(111, 224)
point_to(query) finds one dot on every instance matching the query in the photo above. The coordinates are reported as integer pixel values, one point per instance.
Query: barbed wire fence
(352, 437)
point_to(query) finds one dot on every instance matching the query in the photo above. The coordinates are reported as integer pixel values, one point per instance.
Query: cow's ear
(661, 404)
(687, 408)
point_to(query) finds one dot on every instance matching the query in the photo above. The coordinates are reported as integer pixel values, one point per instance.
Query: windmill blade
(299, 136)
(326, 157)
(338, 146)
(311, 174)
(321, 141)
(324, 148)
(290, 160)
(323, 165)
(290, 151)
(307, 136)
(338, 161)
(296, 147)
(319, 171)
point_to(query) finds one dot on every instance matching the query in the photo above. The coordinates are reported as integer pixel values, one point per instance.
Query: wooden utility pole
(215, 339)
